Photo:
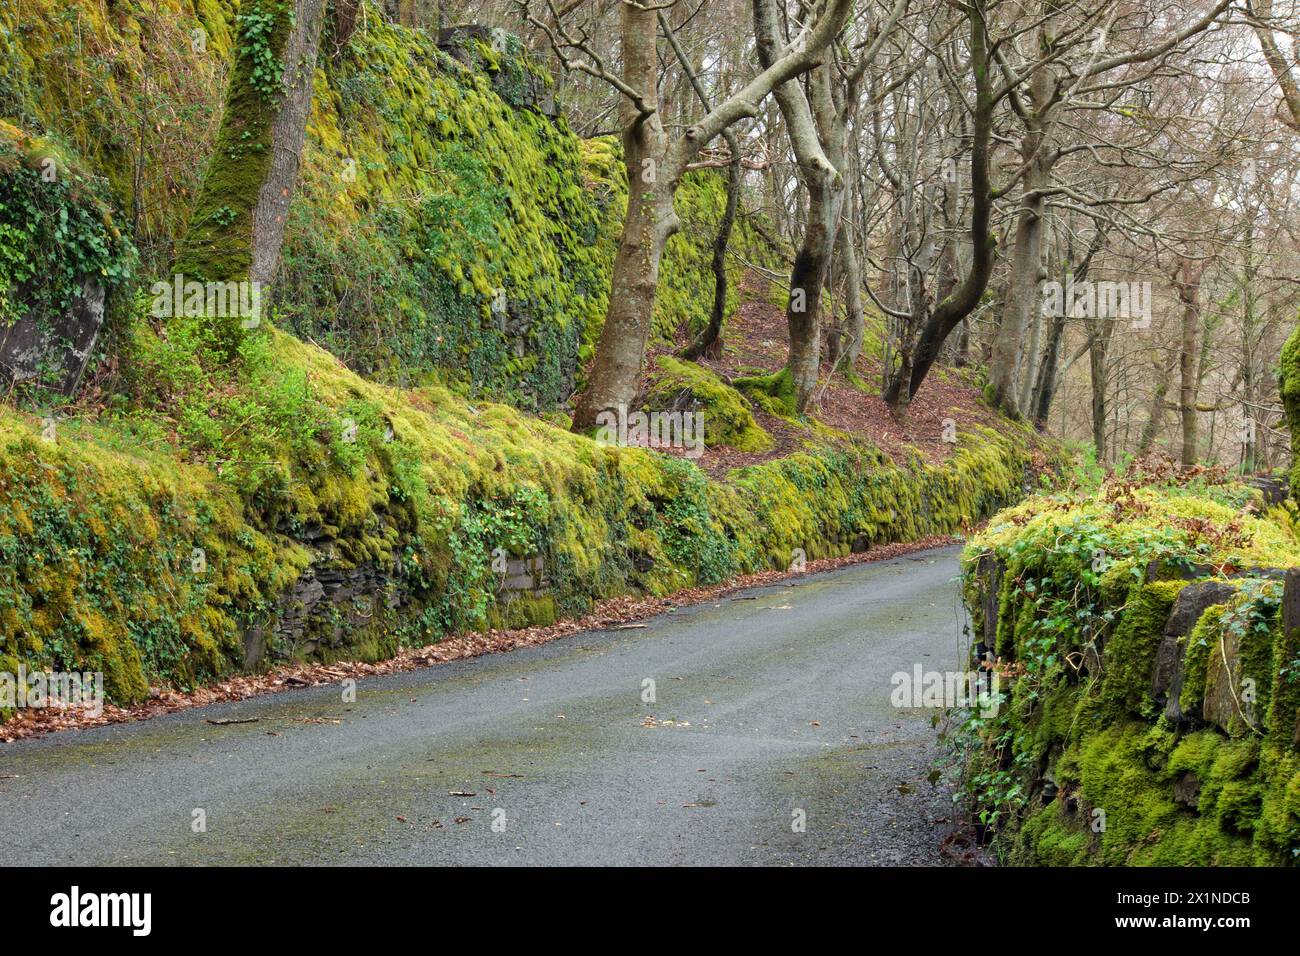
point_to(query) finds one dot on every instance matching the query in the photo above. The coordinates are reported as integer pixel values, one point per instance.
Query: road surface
(770, 708)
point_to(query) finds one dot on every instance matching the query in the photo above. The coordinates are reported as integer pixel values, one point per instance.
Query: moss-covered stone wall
(310, 513)
(1150, 675)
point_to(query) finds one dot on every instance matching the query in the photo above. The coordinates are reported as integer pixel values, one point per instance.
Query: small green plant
(259, 31)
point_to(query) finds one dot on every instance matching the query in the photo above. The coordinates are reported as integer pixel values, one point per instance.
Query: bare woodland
(1091, 202)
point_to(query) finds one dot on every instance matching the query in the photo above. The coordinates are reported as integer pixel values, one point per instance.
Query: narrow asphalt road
(770, 707)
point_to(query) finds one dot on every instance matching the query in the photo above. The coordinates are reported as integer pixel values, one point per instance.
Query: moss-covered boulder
(61, 257)
(687, 387)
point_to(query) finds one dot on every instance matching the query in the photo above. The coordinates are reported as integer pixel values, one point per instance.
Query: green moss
(728, 420)
(774, 392)
(1130, 653)
(286, 460)
(1289, 387)
(131, 95)
(1196, 658)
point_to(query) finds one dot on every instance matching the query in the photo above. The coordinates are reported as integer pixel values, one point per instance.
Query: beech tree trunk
(1187, 286)
(1151, 429)
(950, 311)
(1022, 285)
(854, 327)
(650, 221)
(237, 225)
(818, 137)
(655, 166)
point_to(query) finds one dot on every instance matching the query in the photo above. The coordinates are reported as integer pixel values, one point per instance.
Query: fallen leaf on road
(223, 721)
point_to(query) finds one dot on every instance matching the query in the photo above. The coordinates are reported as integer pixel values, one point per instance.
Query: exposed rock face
(1192, 602)
(54, 350)
(517, 80)
(1273, 489)
(525, 575)
(989, 571)
(1226, 703)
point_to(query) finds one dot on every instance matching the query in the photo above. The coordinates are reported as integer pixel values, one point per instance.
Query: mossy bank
(448, 224)
(313, 514)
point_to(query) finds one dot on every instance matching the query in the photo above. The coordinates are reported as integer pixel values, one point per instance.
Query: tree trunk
(1097, 342)
(1151, 429)
(1049, 370)
(1187, 285)
(854, 325)
(1022, 284)
(655, 166)
(709, 342)
(908, 377)
(650, 221)
(807, 280)
(1045, 381)
(817, 139)
(237, 225)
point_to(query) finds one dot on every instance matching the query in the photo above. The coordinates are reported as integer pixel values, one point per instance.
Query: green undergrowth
(1086, 761)
(285, 462)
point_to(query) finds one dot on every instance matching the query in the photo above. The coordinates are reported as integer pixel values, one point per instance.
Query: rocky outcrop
(52, 312)
(499, 54)
(54, 350)
(1192, 601)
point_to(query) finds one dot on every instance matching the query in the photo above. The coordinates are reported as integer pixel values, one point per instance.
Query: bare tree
(655, 162)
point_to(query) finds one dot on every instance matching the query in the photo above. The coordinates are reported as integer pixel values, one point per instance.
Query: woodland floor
(755, 341)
